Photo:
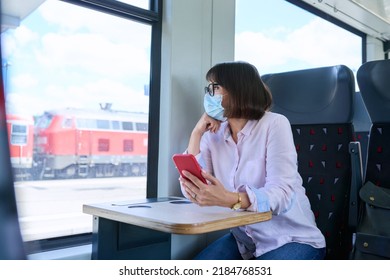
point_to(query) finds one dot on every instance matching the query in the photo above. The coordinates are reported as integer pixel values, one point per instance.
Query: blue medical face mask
(213, 106)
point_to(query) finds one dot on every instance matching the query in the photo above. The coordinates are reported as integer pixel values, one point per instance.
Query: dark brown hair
(248, 97)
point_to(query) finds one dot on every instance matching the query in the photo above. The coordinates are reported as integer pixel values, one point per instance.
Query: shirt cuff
(259, 200)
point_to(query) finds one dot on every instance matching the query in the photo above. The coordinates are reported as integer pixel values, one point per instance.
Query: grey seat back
(319, 105)
(373, 232)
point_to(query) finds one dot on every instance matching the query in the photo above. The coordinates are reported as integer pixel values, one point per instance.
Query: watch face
(236, 206)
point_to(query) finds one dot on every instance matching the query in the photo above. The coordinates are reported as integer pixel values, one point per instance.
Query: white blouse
(263, 164)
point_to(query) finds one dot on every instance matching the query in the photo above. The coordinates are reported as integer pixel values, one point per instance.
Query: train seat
(374, 84)
(319, 105)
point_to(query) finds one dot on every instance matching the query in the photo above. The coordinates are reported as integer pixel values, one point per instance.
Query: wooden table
(162, 228)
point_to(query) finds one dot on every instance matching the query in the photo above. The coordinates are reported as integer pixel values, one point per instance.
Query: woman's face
(222, 91)
(219, 90)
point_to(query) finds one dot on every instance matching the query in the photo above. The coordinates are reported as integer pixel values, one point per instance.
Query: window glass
(18, 134)
(115, 125)
(67, 123)
(277, 36)
(103, 124)
(59, 68)
(18, 139)
(81, 123)
(127, 125)
(19, 129)
(142, 126)
(43, 121)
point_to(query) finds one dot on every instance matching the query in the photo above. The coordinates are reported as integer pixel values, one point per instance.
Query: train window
(81, 123)
(18, 134)
(127, 126)
(57, 68)
(115, 125)
(286, 37)
(44, 121)
(67, 123)
(141, 126)
(18, 139)
(103, 124)
(86, 124)
(19, 129)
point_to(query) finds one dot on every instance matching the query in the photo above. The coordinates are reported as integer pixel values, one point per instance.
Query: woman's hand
(212, 194)
(207, 123)
(204, 124)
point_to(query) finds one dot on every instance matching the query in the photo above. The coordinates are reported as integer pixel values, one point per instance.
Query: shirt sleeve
(282, 177)
(258, 198)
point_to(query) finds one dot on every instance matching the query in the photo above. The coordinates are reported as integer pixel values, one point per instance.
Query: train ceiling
(354, 12)
(357, 13)
(14, 11)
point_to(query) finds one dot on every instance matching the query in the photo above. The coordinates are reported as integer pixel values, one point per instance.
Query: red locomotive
(73, 143)
(21, 136)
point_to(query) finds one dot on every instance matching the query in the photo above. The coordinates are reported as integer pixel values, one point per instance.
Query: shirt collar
(246, 130)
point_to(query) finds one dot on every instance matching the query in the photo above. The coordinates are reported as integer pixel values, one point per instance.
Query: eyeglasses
(210, 89)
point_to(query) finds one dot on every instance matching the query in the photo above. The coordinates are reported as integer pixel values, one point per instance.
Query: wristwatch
(237, 205)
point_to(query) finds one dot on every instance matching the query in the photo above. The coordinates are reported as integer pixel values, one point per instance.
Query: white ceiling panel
(368, 16)
(14, 11)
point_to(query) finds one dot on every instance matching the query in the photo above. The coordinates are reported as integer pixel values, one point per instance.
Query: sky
(76, 63)
(278, 36)
(54, 62)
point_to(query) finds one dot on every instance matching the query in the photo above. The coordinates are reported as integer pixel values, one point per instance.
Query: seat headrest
(313, 96)
(374, 82)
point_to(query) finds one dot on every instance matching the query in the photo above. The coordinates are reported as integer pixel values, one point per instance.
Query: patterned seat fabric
(325, 167)
(378, 164)
(319, 105)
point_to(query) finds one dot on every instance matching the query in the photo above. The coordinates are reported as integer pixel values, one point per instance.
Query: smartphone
(189, 163)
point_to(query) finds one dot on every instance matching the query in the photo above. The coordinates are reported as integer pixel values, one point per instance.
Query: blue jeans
(225, 248)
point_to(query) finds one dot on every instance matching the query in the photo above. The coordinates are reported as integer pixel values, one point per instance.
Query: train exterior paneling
(21, 141)
(103, 144)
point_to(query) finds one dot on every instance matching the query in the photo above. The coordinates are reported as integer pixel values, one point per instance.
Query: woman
(249, 160)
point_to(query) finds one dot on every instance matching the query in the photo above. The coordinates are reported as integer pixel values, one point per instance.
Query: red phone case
(189, 163)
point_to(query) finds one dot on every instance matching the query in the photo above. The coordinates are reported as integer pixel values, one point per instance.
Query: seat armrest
(356, 183)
